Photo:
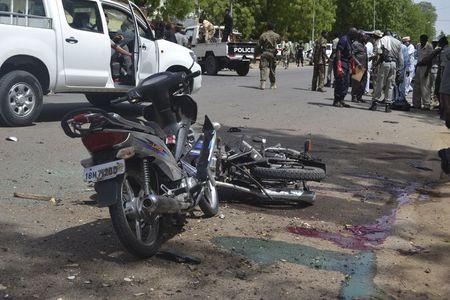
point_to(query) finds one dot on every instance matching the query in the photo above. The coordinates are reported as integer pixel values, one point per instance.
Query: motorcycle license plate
(105, 171)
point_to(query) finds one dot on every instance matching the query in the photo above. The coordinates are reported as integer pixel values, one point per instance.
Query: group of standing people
(399, 66)
(396, 64)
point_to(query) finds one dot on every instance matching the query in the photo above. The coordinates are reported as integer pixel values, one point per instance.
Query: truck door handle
(143, 47)
(72, 40)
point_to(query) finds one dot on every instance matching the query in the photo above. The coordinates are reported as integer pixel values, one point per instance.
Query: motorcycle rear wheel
(140, 237)
(297, 173)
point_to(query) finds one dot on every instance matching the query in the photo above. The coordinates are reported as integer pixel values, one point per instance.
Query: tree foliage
(294, 18)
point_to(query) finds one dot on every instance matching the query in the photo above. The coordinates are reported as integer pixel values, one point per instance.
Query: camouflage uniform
(320, 60)
(268, 43)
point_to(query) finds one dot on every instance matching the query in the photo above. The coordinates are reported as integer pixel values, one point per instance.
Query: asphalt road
(373, 159)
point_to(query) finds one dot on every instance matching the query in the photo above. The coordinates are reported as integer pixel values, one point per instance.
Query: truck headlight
(194, 57)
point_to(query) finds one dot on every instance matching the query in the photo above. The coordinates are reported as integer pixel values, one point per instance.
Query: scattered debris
(115, 254)
(241, 275)
(128, 279)
(139, 294)
(234, 129)
(106, 284)
(430, 193)
(427, 270)
(12, 139)
(72, 266)
(246, 118)
(87, 282)
(2, 287)
(178, 257)
(52, 200)
(391, 122)
(419, 166)
(409, 252)
(71, 277)
(222, 216)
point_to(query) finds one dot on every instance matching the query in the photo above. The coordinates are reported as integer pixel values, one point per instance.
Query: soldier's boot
(373, 106)
(388, 108)
(262, 85)
(273, 86)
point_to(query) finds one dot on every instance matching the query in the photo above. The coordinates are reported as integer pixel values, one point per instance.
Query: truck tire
(242, 69)
(211, 65)
(304, 174)
(21, 98)
(101, 99)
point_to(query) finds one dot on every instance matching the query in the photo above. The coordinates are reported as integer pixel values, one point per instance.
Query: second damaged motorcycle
(150, 174)
(276, 173)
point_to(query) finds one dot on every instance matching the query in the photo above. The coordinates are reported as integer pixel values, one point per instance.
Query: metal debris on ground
(128, 279)
(71, 277)
(234, 129)
(2, 287)
(222, 216)
(178, 257)
(50, 199)
(12, 139)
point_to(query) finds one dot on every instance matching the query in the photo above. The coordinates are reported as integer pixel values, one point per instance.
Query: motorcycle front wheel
(141, 235)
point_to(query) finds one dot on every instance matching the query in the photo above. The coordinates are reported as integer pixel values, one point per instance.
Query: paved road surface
(374, 159)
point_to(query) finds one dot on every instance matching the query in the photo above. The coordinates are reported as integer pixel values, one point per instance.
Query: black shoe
(361, 101)
(388, 108)
(444, 156)
(328, 84)
(337, 104)
(345, 105)
(373, 106)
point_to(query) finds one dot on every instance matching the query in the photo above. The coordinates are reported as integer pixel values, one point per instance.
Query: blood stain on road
(363, 237)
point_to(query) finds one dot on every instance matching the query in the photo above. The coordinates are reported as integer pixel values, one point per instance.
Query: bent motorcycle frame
(154, 150)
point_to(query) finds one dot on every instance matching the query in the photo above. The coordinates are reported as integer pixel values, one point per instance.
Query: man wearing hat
(412, 63)
(390, 60)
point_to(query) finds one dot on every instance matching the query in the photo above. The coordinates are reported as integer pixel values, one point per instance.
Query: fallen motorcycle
(150, 174)
(276, 173)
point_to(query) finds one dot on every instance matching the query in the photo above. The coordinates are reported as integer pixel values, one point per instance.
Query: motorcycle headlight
(194, 57)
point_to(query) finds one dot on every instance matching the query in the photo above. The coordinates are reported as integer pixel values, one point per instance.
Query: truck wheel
(243, 69)
(211, 65)
(102, 100)
(21, 98)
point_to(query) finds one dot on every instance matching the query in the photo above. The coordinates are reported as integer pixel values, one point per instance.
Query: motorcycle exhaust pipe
(154, 204)
(287, 195)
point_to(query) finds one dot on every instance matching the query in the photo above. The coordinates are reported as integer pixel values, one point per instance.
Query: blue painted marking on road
(359, 268)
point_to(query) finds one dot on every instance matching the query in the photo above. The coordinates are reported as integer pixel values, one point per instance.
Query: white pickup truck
(216, 56)
(66, 46)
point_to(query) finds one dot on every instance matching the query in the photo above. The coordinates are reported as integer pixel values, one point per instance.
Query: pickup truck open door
(85, 44)
(146, 57)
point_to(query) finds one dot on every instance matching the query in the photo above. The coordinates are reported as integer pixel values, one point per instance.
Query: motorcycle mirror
(216, 126)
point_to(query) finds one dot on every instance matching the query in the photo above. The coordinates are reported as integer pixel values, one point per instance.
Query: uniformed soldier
(389, 61)
(207, 31)
(320, 59)
(268, 44)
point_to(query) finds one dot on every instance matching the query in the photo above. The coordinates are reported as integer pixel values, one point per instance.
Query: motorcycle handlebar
(120, 100)
(129, 98)
(193, 75)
